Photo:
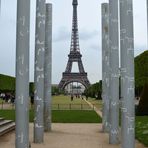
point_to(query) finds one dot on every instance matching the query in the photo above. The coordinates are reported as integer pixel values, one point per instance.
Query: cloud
(63, 34)
(88, 35)
(95, 47)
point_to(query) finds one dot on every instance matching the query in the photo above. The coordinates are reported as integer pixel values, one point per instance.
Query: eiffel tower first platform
(74, 56)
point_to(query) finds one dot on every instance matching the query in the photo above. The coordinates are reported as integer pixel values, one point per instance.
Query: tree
(55, 90)
(141, 72)
(143, 104)
(94, 91)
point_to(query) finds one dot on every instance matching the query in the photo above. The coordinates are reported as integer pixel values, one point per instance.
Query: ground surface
(68, 136)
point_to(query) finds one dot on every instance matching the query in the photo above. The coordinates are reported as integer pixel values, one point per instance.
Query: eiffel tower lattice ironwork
(74, 56)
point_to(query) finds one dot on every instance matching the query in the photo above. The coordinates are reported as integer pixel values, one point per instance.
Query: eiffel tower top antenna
(75, 35)
(75, 2)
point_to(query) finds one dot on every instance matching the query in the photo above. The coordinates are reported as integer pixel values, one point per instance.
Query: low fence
(4, 106)
(72, 107)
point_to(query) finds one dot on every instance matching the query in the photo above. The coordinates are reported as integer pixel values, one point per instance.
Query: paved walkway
(67, 136)
(95, 108)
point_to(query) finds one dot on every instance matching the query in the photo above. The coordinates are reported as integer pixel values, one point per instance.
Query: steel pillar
(114, 72)
(147, 21)
(127, 75)
(39, 72)
(22, 74)
(105, 66)
(0, 7)
(47, 68)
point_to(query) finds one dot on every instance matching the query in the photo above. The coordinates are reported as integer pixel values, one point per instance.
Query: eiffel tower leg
(81, 68)
(127, 75)
(39, 72)
(22, 74)
(47, 68)
(105, 66)
(114, 72)
(69, 66)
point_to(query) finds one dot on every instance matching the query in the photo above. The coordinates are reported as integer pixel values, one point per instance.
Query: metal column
(0, 7)
(48, 68)
(114, 72)
(127, 75)
(105, 66)
(39, 72)
(147, 21)
(22, 74)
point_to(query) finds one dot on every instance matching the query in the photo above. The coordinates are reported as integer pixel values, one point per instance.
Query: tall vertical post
(0, 6)
(114, 71)
(147, 21)
(48, 68)
(22, 74)
(127, 75)
(39, 72)
(105, 66)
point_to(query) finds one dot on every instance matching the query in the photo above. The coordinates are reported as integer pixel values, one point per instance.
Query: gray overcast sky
(89, 16)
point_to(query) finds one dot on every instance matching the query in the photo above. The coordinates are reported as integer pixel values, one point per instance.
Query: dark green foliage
(55, 90)
(141, 71)
(7, 83)
(94, 91)
(143, 105)
(31, 88)
(67, 116)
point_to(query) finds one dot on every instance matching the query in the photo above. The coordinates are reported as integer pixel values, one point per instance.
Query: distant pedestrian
(71, 97)
(86, 97)
(32, 99)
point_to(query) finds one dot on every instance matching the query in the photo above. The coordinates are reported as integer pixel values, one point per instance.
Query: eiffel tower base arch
(74, 77)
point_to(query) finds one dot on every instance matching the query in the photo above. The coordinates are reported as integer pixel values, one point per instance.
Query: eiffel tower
(74, 56)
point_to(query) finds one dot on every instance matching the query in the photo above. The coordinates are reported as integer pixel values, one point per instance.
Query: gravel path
(67, 136)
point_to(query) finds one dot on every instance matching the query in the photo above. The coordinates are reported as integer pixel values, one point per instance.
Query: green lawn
(96, 103)
(66, 100)
(1, 101)
(64, 103)
(142, 129)
(60, 103)
(64, 116)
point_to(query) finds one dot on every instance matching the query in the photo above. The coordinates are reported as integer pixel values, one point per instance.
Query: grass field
(59, 103)
(64, 116)
(1, 101)
(142, 129)
(65, 103)
(96, 103)
(66, 100)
